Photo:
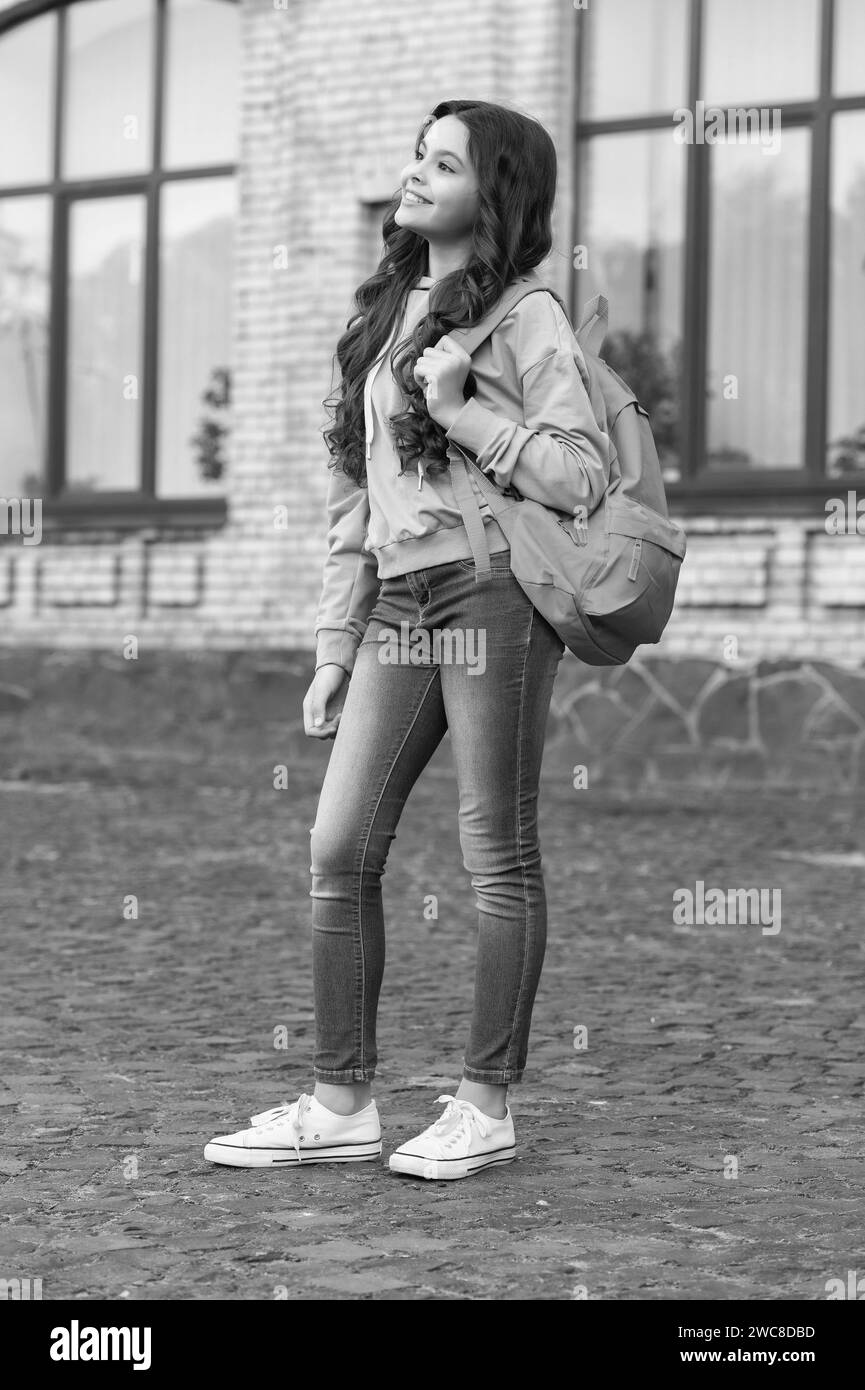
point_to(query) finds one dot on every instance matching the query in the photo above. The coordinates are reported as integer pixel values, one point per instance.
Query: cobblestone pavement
(706, 1143)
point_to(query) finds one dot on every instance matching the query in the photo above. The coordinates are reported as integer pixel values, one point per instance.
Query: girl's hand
(442, 371)
(324, 700)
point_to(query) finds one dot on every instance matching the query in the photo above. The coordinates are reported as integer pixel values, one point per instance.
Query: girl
(473, 212)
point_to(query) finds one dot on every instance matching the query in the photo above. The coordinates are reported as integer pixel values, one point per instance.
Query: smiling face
(440, 198)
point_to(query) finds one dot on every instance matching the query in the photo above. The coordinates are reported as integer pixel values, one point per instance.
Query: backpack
(606, 580)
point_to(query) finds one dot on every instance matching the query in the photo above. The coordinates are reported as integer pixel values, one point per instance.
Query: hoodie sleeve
(557, 454)
(351, 584)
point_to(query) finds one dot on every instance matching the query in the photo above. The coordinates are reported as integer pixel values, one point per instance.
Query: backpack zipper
(635, 559)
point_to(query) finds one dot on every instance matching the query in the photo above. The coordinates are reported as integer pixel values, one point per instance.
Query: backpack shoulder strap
(606, 386)
(471, 338)
(593, 325)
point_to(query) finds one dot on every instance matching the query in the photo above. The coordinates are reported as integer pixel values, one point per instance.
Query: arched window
(119, 123)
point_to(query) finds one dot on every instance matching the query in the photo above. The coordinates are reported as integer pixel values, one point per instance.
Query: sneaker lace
(457, 1119)
(278, 1114)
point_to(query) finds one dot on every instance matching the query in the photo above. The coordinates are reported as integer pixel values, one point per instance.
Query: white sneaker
(301, 1131)
(461, 1142)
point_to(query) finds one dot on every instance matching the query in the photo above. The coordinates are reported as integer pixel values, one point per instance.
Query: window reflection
(760, 53)
(107, 131)
(25, 233)
(104, 366)
(26, 108)
(194, 336)
(201, 83)
(846, 420)
(849, 48)
(758, 278)
(636, 60)
(632, 228)
(108, 125)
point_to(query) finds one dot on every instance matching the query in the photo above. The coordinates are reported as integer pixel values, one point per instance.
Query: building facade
(196, 187)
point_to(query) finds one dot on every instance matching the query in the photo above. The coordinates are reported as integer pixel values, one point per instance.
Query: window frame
(796, 490)
(127, 508)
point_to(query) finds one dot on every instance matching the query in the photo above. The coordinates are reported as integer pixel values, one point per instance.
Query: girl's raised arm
(558, 454)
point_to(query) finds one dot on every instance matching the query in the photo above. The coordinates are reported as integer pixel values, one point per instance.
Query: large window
(721, 208)
(117, 211)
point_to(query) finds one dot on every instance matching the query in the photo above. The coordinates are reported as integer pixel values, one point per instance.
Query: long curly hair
(514, 160)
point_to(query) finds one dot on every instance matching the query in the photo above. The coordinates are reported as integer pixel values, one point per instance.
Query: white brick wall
(332, 94)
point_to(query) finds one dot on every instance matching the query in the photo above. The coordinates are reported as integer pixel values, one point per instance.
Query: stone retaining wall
(786, 722)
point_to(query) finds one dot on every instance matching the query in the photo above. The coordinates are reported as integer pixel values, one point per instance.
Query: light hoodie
(530, 426)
